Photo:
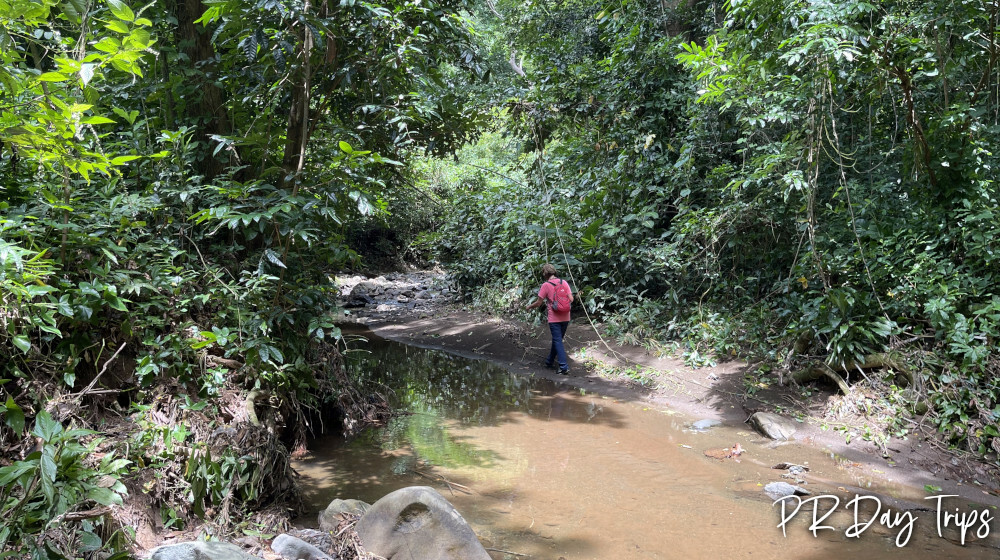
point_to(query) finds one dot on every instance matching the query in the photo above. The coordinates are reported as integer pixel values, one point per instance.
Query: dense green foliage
(809, 182)
(176, 182)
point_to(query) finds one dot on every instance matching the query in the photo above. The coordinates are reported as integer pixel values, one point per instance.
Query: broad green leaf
(89, 542)
(121, 10)
(273, 257)
(22, 343)
(13, 472)
(117, 465)
(45, 427)
(52, 77)
(96, 120)
(34, 290)
(278, 356)
(48, 465)
(14, 416)
(104, 496)
(114, 302)
(50, 329)
(108, 45)
(117, 26)
(121, 160)
(346, 147)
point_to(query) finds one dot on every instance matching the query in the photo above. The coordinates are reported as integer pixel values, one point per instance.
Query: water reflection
(472, 391)
(435, 392)
(438, 392)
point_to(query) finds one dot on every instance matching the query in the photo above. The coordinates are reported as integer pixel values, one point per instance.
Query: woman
(557, 295)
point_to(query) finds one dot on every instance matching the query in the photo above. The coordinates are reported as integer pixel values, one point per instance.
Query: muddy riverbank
(437, 320)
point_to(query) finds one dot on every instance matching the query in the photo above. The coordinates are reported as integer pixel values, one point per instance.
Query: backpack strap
(553, 298)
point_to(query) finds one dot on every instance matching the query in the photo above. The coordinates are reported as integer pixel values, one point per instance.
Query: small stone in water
(705, 424)
(778, 490)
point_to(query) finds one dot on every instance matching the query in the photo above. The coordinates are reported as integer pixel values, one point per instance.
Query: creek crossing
(552, 471)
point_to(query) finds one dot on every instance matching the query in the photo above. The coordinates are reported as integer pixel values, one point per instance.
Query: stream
(542, 469)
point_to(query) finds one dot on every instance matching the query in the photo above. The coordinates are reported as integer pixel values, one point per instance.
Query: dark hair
(548, 271)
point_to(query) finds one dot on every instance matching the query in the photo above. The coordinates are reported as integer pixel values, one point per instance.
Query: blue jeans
(558, 331)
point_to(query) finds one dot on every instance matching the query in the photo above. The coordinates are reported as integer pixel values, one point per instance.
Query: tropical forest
(258, 255)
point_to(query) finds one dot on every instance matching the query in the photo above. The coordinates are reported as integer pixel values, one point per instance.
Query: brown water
(552, 471)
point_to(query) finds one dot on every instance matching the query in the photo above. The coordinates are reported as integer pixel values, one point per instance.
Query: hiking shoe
(549, 366)
(564, 371)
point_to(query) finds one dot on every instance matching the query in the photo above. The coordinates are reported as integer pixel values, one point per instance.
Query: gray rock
(334, 513)
(418, 523)
(201, 550)
(292, 548)
(403, 299)
(705, 424)
(322, 540)
(425, 295)
(372, 287)
(358, 297)
(778, 490)
(409, 293)
(792, 467)
(773, 426)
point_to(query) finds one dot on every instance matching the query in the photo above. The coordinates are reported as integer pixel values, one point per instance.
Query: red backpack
(563, 297)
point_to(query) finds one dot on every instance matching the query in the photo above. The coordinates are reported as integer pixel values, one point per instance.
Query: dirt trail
(437, 321)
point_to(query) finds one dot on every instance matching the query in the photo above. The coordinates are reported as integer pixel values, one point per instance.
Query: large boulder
(417, 523)
(292, 548)
(201, 550)
(773, 426)
(338, 509)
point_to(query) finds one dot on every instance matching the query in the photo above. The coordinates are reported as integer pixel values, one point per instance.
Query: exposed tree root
(871, 362)
(820, 371)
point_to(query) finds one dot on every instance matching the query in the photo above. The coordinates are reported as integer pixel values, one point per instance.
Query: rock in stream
(201, 550)
(418, 523)
(773, 426)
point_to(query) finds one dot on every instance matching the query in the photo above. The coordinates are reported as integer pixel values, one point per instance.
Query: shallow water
(552, 471)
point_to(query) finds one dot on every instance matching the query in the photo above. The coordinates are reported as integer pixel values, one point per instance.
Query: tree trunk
(297, 134)
(210, 108)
